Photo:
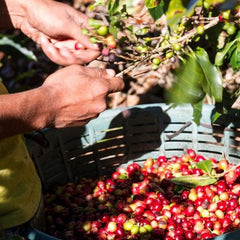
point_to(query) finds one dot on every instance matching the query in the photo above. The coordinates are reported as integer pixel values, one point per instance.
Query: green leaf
(220, 56)
(156, 12)
(193, 181)
(197, 111)
(113, 6)
(177, 9)
(235, 58)
(215, 116)
(12, 48)
(186, 87)
(212, 82)
(206, 166)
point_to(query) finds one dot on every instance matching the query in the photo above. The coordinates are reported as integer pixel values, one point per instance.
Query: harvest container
(123, 135)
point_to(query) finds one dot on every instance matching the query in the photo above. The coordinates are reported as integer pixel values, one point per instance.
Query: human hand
(56, 27)
(78, 94)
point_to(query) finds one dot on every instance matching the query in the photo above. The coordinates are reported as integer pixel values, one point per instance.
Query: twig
(214, 21)
(187, 124)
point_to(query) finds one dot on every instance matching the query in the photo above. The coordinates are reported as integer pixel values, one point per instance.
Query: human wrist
(15, 11)
(42, 108)
(11, 13)
(24, 112)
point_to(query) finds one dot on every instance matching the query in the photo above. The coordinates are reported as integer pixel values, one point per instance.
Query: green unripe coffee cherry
(166, 37)
(226, 14)
(148, 41)
(156, 61)
(231, 29)
(143, 230)
(177, 47)
(169, 54)
(94, 23)
(128, 226)
(154, 67)
(84, 31)
(93, 40)
(149, 227)
(135, 230)
(142, 31)
(200, 30)
(102, 30)
(142, 48)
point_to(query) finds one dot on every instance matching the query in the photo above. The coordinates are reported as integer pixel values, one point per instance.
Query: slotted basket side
(115, 138)
(120, 136)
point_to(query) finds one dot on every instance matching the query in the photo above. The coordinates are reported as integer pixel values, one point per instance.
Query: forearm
(23, 112)
(13, 11)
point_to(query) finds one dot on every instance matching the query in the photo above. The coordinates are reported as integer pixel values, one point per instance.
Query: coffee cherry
(144, 204)
(226, 14)
(110, 41)
(78, 46)
(105, 51)
(102, 30)
(141, 48)
(87, 226)
(231, 29)
(112, 227)
(111, 57)
(128, 226)
(85, 31)
(94, 23)
(177, 47)
(169, 54)
(200, 30)
(231, 177)
(93, 40)
(141, 32)
(156, 61)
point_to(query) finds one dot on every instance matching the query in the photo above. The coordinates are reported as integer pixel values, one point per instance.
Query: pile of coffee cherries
(146, 201)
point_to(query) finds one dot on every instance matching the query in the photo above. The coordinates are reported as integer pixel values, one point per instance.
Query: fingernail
(110, 72)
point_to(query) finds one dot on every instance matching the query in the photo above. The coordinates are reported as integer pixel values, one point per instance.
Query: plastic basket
(120, 136)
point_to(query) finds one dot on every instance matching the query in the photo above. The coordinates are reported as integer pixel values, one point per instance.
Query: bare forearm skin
(24, 112)
(9, 11)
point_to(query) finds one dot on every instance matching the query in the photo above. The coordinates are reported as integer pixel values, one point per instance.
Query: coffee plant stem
(214, 21)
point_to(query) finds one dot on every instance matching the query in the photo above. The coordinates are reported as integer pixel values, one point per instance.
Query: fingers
(78, 21)
(115, 84)
(64, 53)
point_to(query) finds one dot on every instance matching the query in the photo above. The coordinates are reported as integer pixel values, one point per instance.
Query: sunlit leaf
(220, 56)
(216, 116)
(235, 58)
(206, 166)
(212, 82)
(197, 111)
(157, 12)
(177, 9)
(193, 181)
(113, 6)
(186, 87)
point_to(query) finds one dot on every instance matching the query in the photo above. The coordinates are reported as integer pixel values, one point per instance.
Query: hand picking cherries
(181, 198)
